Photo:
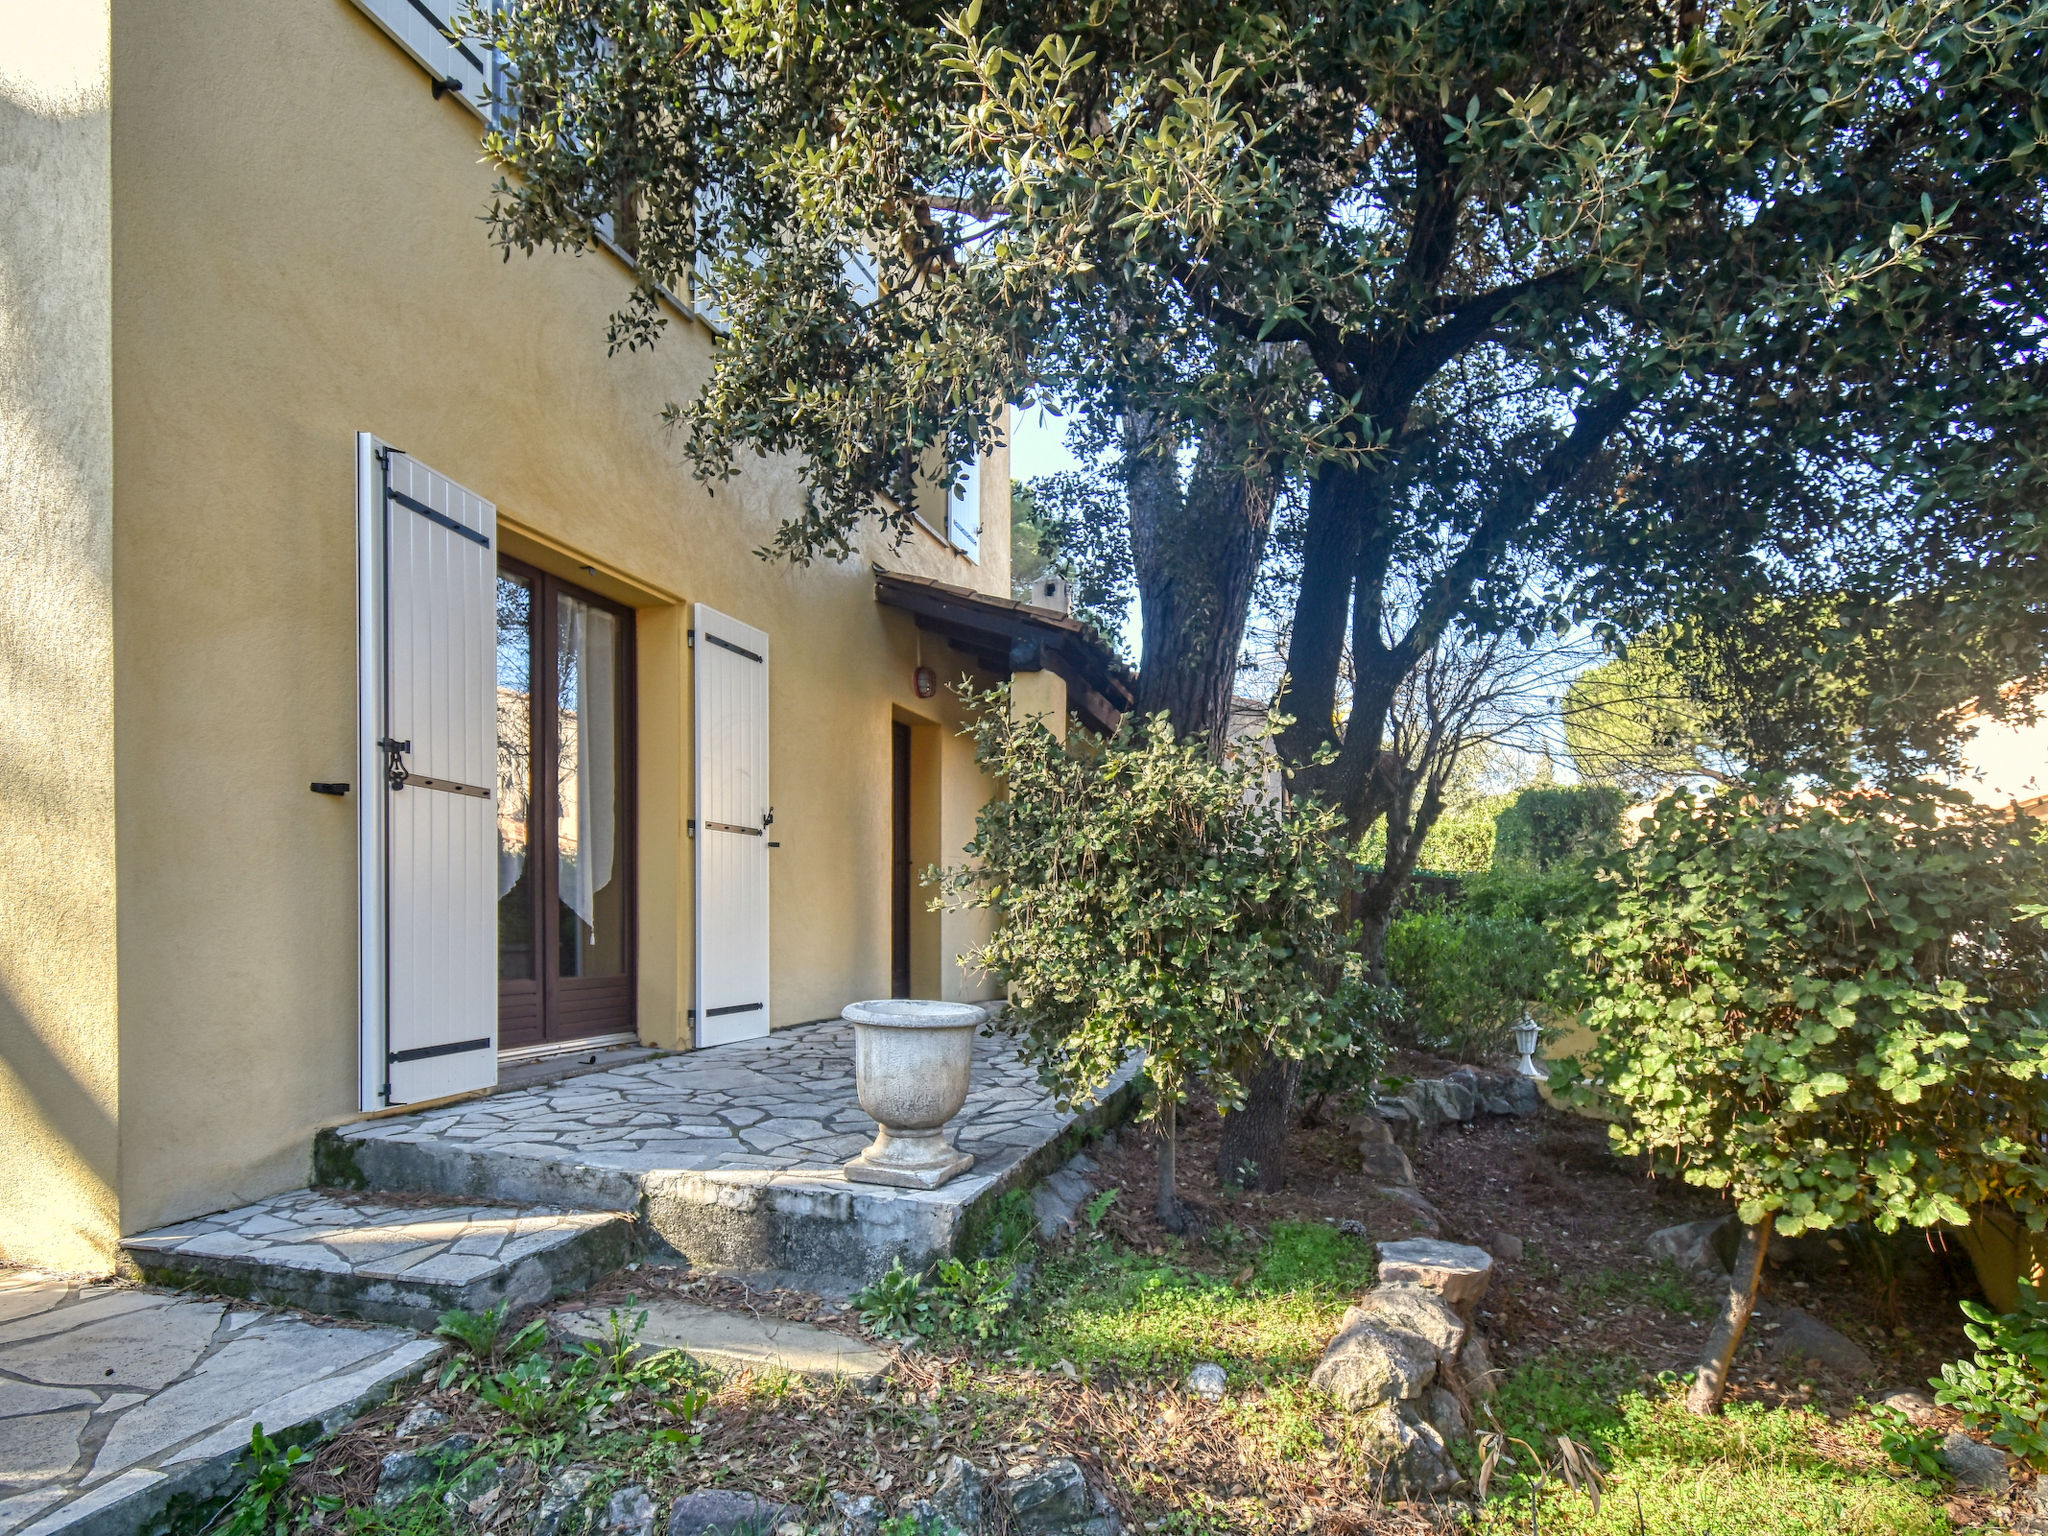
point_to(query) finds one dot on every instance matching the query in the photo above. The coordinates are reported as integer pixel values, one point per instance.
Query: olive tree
(1830, 1010)
(1152, 898)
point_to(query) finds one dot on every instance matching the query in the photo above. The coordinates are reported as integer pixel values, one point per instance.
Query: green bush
(1468, 978)
(2004, 1389)
(1548, 825)
(1832, 1011)
(1147, 898)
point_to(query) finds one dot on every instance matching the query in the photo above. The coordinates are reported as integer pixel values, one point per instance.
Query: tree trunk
(1169, 1197)
(1711, 1384)
(1196, 551)
(1254, 1154)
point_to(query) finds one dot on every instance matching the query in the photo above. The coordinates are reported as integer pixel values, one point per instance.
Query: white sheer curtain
(588, 772)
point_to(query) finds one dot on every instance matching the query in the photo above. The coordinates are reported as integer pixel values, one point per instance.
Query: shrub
(2003, 1390)
(1548, 825)
(1831, 1011)
(1353, 1057)
(1150, 898)
(1468, 978)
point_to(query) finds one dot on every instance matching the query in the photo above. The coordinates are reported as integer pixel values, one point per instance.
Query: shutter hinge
(691, 635)
(692, 825)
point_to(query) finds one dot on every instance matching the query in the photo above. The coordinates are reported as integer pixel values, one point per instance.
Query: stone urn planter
(911, 1062)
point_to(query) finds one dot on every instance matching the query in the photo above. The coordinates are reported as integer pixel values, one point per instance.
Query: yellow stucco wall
(58, 1088)
(296, 255)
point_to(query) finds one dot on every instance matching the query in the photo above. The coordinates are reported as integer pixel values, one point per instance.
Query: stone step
(390, 1260)
(730, 1157)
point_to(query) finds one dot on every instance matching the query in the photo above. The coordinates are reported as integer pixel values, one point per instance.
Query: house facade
(381, 698)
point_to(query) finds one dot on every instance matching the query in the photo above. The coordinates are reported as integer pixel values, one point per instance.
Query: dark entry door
(565, 812)
(899, 874)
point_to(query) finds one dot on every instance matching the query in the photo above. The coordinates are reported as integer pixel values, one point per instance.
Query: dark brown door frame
(550, 987)
(899, 860)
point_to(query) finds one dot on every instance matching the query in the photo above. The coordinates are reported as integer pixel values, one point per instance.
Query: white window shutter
(423, 29)
(427, 780)
(963, 513)
(733, 819)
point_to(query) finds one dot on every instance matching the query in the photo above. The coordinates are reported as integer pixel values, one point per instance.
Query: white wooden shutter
(963, 513)
(732, 828)
(427, 770)
(423, 29)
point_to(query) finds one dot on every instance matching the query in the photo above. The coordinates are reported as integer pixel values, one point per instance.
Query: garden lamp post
(1527, 1033)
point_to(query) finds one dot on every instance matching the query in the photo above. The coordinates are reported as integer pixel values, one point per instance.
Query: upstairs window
(459, 66)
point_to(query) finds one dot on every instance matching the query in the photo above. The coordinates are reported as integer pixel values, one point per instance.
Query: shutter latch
(395, 771)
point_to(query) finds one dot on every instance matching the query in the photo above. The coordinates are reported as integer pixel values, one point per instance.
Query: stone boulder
(564, 1503)
(1055, 1500)
(1455, 1271)
(1386, 1164)
(1983, 1467)
(1422, 1216)
(1508, 1093)
(1917, 1406)
(955, 1506)
(631, 1512)
(727, 1512)
(1801, 1335)
(1411, 1367)
(1705, 1248)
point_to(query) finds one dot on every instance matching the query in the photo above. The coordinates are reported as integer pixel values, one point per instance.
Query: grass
(1786, 1471)
(1108, 1306)
(1093, 1364)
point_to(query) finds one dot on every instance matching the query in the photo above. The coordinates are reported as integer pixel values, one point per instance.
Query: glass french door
(565, 812)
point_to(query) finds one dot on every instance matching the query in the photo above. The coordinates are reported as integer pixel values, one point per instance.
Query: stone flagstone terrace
(732, 1155)
(118, 1405)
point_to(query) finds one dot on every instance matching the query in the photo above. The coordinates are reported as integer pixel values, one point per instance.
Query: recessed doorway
(899, 861)
(566, 812)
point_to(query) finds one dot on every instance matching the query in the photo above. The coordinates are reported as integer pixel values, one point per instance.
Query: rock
(861, 1516)
(1413, 1309)
(1800, 1333)
(1505, 1246)
(1508, 1093)
(1055, 1500)
(1385, 1163)
(1438, 1101)
(1698, 1247)
(1050, 1497)
(1475, 1367)
(1974, 1465)
(401, 1475)
(1445, 1414)
(1350, 1228)
(1401, 1122)
(630, 1512)
(424, 1416)
(1370, 1130)
(1918, 1407)
(1368, 1365)
(1208, 1381)
(1417, 1462)
(955, 1505)
(1457, 1272)
(476, 1490)
(561, 1511)
(1422, 1216)
(725, 1512)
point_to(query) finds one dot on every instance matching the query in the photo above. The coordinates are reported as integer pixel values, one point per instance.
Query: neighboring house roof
(1004, 636)
(2006, 763)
